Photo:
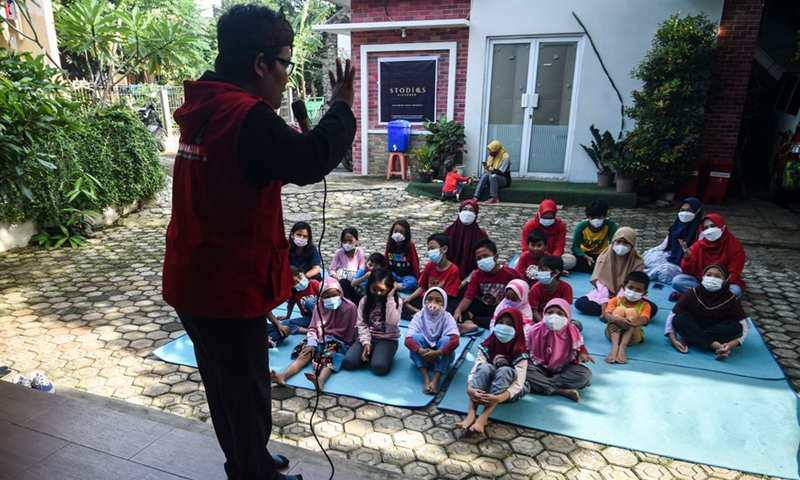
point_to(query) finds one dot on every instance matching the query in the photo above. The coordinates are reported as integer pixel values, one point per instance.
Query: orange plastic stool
(390, 168)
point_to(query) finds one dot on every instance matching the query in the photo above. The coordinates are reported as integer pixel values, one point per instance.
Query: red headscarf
(462, 239)
(516, 349)
(727, 251)
(556, 233)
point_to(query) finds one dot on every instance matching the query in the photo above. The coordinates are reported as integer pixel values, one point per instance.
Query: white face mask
(712, 234)
(712, 284)
(486, 264)
(300, 241)
(467, 217)
(597, 222)
(685, 217)
(621, 250)
(555, 322)
(632, 296)
(348, 247)
(398, 237)
(547, 222)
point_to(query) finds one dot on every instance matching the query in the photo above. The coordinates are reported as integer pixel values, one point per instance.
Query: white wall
(622, 31)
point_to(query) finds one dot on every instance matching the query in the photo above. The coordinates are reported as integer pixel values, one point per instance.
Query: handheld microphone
(301, 115)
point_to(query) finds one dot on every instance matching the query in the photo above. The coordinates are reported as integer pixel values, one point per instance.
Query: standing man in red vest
(226, 261)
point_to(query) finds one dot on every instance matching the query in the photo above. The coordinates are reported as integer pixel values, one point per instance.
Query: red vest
(226, 255)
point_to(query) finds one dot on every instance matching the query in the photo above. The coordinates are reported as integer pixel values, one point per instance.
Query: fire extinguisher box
(691, 186)
(717, 176)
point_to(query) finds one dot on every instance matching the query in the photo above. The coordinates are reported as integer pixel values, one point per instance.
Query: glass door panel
(510, 66)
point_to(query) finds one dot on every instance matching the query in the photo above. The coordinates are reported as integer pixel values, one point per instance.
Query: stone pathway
(90, 318)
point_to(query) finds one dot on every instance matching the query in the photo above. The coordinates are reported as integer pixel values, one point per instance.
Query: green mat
(534, 191)
(700, 416)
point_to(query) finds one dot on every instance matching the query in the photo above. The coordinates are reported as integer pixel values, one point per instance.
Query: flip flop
(4, 370)
(281, 462)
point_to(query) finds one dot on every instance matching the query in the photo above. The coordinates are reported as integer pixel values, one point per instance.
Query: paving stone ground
(91, 318)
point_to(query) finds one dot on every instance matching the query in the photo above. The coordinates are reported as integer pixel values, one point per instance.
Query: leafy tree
(115, 42)
(669, 110)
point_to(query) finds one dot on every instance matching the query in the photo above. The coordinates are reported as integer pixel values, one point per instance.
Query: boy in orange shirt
(453, 183)
(626, 315)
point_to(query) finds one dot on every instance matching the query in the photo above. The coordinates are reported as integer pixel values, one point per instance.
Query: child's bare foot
(433, 388)
(622, 357)
(478, 426)
(313, 379)
(467, 422)
(570, 393)
(612, 356)
(277, 378)
(723, 352)
(426, 388)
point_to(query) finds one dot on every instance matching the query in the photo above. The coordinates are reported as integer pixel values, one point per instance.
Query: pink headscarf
(552, 350)
(339, 323)
(521, 288)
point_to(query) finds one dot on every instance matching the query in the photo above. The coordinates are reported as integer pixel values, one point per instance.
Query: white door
(530, 102)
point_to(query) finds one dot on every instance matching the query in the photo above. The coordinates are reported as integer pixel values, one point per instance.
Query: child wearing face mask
(401, 256)
(556, 353)
(528, 263)
(709, 316)
(613, 267)
(549, 286)
(517, 298)
(498, 375)
(302, 252)
(378, 325)
(338, 317)
(485, 291)
(717, 245)
(348, 259)
(359, 283)
(304, 295)
(546, 220)
(626, 315)
(438, 272)
(432, 339)
(592, 236)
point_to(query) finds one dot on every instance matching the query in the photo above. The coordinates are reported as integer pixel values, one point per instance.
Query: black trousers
(581, 265)
(584, 305)
(697, 334)
(233, 359)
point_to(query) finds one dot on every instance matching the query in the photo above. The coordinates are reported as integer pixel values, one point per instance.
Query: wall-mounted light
(403, 32)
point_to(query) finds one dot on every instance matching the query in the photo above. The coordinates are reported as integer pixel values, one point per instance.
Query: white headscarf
(433, 327)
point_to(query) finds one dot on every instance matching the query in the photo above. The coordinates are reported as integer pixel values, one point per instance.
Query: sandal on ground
(281, 462)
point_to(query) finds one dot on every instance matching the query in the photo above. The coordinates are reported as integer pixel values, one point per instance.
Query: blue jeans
(409, 282)
(683, 283)
(294, 325)
(459, 187)
(441, 364)
(495, 381)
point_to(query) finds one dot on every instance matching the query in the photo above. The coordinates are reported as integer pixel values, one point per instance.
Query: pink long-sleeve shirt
(384, 328)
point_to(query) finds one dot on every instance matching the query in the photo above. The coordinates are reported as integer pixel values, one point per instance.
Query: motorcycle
(152, 122)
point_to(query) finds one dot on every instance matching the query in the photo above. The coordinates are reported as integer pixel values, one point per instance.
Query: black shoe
(578, 325)
(281, 462)
(4, 371)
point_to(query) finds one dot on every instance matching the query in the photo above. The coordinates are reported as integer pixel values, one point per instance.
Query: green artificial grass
(533, 191)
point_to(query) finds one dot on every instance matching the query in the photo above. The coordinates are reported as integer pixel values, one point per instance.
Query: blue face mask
(435, 255)
(504, 333)
(332, 303)
(486, 264)
(301, 285)
(545, 278)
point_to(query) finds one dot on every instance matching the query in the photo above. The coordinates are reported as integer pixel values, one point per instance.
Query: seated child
(592, 236)
(338, 315)
(487, 286)
(626, 315)
(359, 283)
(432, 339)
(453, 183)
(349, 259)
(438, 272)
(401, 256)
(549, 286)
(304, 295)
(302, 251)
(516, 298)
(498, 375)
(378, 321)
(528, 263)
(556, 350)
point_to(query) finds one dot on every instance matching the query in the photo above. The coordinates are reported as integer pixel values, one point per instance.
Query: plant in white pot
(603, 151)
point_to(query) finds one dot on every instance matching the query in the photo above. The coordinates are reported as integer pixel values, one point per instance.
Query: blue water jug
(399, 133)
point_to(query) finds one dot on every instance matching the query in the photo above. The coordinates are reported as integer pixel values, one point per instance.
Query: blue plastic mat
(402, 387)
(699, 416)
(753, 359)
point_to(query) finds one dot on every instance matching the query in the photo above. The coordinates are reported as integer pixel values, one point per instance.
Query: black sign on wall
(407, 89)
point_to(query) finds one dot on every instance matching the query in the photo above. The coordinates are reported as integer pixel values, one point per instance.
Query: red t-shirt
(538, 296)
(490, 288)
(299, 298)
(449, 280)
(451, 183)
(528, 266)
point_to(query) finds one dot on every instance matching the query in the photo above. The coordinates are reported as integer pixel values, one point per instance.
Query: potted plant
(424, 158)
(603, 151)
(447, 139)
(627, 168)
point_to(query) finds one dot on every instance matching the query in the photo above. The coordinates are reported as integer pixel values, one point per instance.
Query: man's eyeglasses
(287, 64)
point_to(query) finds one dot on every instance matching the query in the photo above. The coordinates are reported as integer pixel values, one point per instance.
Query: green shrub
(669, 109)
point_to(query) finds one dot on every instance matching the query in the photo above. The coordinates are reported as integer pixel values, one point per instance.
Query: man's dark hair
(537, 235)
(598, 208)
(485, 243)
(638, 277)
(243, 32)
(552, 263)
(440, 238)
(377, 260)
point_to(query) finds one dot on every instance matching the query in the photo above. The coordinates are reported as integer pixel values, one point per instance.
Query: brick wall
(405, 10)
(735, 48)
(379, 153)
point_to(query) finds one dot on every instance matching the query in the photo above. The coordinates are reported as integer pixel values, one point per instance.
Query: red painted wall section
(736, 45)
